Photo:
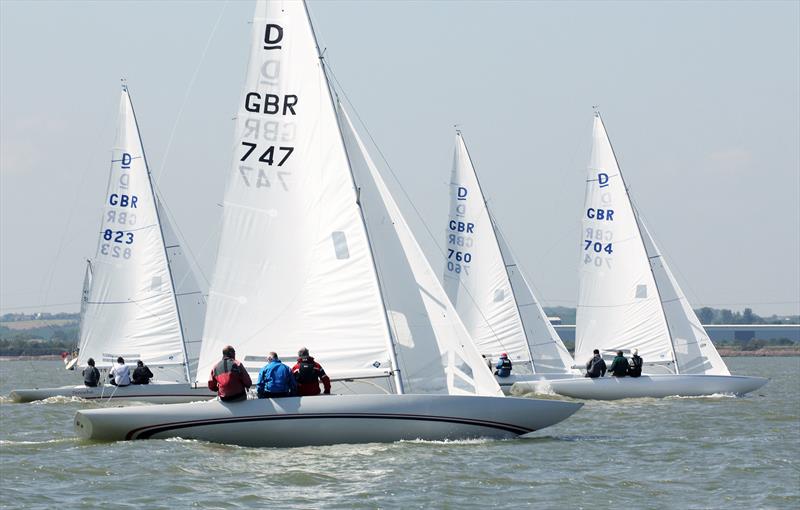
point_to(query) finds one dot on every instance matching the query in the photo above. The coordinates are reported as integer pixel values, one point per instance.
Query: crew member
(91, 376)
(308, 374)
(275, 380)
(503, 366)
(141, 374)
(636, 364)
(120, 374)
(229, 378)
(596, 367)
(619, 367)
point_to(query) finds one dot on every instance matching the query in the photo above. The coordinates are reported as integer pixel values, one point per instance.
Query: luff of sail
(434, 349)
(294, 266)
(618, 302)
(131, 309)
(475, 276)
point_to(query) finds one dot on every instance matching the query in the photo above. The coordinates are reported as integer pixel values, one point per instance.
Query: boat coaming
(327, 419)
(154, 393)
(653, 386)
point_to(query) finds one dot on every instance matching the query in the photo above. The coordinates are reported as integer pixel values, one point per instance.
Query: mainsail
(487, 287)
(294, 266)
(628, 297)
(131, 310)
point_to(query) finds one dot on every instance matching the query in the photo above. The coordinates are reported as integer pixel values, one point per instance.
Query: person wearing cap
(619, 367)
(596, 367)
(275, 380)
(229, 378)
(503, 366)
(141, 374)
(308, 374)
(91, 376)
(637, 362)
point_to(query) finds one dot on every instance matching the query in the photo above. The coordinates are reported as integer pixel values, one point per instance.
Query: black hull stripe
(147, 432)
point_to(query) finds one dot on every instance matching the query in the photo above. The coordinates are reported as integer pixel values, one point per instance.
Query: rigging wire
(163, 170)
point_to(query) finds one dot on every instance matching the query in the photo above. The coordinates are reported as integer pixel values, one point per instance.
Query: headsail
(435, 352)
(618, 302)
(294, 266)
(131, 309)
(694, 351)
(475, 276)
(550, 356)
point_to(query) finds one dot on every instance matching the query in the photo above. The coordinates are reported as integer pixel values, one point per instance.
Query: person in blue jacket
(275, 379)
(503, 366)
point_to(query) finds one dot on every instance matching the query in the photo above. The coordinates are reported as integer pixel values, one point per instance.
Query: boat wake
(60, 399)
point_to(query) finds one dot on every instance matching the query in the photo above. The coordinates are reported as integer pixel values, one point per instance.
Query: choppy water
(672, 453)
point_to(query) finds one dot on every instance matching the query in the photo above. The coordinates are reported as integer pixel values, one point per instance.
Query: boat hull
(653, 386)
(154, 393)
(327, 419)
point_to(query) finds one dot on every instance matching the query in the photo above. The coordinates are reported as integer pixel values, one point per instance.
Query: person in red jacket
(229, 378)
(308, 374)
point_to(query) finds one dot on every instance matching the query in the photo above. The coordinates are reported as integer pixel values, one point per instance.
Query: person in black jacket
(141, 374)
(91, 376)
(636, 364)
(596, 367)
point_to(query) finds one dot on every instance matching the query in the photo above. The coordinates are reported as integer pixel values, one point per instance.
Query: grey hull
(327, 419)
(654, 386)
(157, 393)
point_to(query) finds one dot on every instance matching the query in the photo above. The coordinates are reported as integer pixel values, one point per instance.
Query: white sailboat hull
(653, 386)
(155, 393)
(334, 419)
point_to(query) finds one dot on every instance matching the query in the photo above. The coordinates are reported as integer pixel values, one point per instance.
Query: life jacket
(636, 366)
(307, 372)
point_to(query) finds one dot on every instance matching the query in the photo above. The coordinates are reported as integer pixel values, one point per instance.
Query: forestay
(618, 301)
(475, 276)
(293, 267)
(188, 293)
(131, 309)
(694, 351)
(434, 349)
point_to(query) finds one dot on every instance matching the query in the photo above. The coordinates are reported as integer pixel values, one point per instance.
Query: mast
(644, 247)
(163, 244)
(398, 381)
(505, 263)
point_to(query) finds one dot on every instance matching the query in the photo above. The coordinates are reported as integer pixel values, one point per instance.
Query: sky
(701, 101)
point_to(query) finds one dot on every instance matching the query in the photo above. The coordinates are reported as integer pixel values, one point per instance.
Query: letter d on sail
(602, 179)
(462, 193)
(273, 34)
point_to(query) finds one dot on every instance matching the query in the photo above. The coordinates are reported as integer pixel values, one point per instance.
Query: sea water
(712, 452)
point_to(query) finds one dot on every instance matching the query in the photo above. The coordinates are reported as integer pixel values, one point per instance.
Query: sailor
(275, 380)
(120, 374)
(637, 363)
(619, 367)
(141, 374)
(503, 366)
(91, 376)
(308, 374)
(229, 378)
(596, 367)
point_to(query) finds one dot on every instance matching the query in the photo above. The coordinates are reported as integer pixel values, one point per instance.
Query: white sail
(475, 276)
(189, 295)
(549, 354)
(434, 350)
(694, 351)
(131, 309)
(618, 302)
(294, 266)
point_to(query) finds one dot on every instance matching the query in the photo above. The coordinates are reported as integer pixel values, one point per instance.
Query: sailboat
(489, 291)
(629, 299)
(314, 252)
(140, 299)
